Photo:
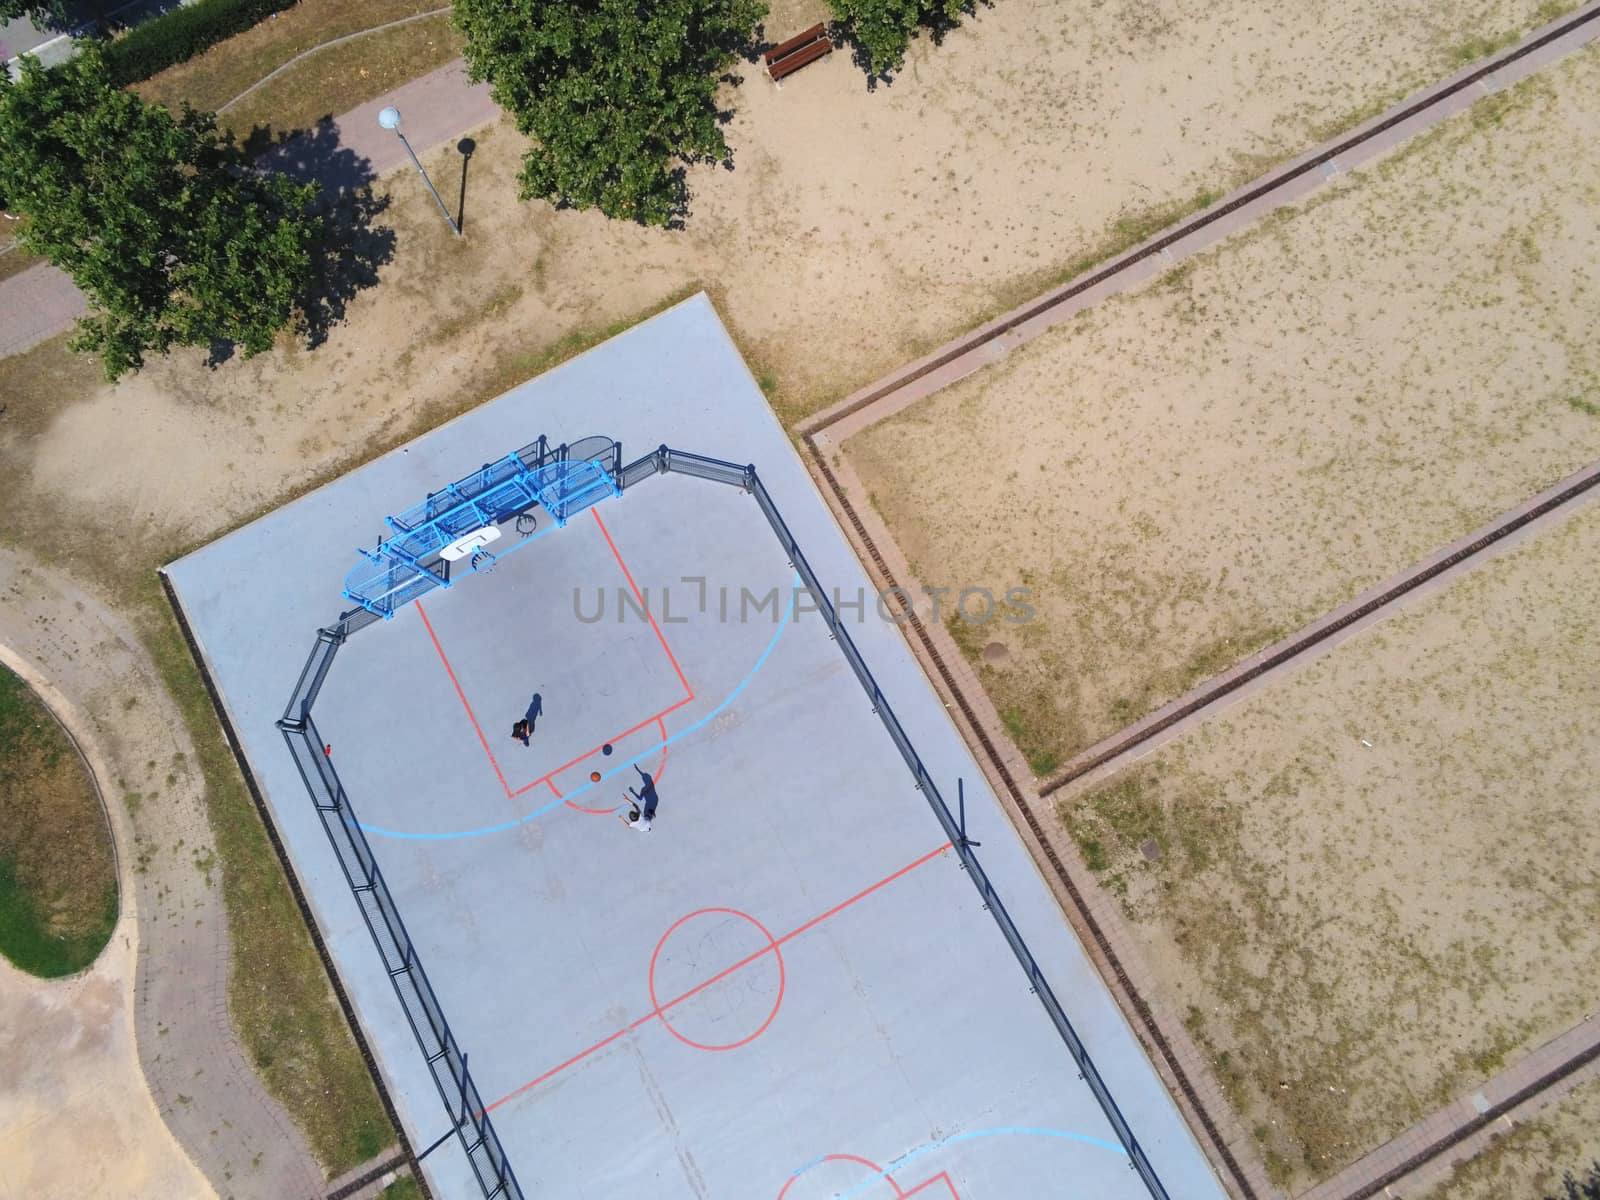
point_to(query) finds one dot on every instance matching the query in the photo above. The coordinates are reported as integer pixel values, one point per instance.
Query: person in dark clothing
(522, 731)
(646, 794)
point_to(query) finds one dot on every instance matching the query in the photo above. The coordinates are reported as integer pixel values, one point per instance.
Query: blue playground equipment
(454, 526)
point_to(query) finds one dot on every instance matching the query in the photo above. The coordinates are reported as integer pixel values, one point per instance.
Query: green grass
(1481, 46)
(210, 80)
(25, 937)
(58, 873)
(339, 78)
(403, 1189)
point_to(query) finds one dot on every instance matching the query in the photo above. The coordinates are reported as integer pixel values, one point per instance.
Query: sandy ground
(75, 1116)
(131, 1028)
(856, 229)
(1374, 884)
(1528, 1162)
(1185, 473)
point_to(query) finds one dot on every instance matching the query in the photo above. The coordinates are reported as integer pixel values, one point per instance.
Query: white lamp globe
(389, 118)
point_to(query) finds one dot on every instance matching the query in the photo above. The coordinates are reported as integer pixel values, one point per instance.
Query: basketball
(594, 776)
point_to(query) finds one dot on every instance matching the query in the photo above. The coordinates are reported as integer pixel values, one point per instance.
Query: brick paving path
(41, 302)
(203, 1083)
(1496, 1107)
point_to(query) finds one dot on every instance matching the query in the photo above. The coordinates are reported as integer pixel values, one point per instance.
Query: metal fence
(446, 1061)
(747, 478)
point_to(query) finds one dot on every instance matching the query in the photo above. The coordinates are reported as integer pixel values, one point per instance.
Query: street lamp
(389, 118)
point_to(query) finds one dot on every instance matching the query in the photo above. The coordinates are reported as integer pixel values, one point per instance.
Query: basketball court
(788, 988)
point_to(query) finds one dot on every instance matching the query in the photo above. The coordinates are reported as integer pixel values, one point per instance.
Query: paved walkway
(1468, 1123)
(41, 302)
(102, 680)
(76, 1115)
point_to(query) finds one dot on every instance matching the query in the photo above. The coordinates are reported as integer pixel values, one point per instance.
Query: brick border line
(1004, 324)
(378, 1171)
(1572, 488)
(408, 1153)
(1478, 1123)
(1147, 1020)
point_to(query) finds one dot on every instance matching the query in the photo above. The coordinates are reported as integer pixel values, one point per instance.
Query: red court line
(649, 616)
(617, 737)
(456, 683)
(887, 1177)
(744, 962)
(660, 771)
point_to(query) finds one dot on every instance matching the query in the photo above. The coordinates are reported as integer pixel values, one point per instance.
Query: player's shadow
(346, 259)
(535, 711)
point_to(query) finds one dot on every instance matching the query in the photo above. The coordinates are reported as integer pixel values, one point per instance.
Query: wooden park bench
(788, 57)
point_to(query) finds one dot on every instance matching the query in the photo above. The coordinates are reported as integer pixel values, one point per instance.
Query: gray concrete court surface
(788, 988)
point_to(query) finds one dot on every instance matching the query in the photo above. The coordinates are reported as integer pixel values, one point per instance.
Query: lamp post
(389, 118)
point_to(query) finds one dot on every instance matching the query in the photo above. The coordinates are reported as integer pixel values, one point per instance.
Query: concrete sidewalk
(41, 302)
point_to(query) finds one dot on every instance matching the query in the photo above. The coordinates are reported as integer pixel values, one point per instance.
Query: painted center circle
(717, 979)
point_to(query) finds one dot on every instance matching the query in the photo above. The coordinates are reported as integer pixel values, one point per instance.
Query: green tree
(617, 95)
(172, 236)
(883, 28)
(46, 14)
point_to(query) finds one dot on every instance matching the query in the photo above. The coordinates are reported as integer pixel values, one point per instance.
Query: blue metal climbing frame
(563, 480)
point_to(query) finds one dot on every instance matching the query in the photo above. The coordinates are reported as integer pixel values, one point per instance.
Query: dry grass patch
(58, 871)
(14, 260)
(1371, 887)
(337, 79)
(279, 997)
(1528, 1162)
(210, 80)
(1184, 474)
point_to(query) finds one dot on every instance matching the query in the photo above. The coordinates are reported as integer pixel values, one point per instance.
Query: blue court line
(620, 767)
(900, 1163)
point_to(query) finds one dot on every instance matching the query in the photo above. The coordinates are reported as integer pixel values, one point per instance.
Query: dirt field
(1527, 1163)
(1186, 473)
(1359, 932)
(76, 1118)
(856, 229)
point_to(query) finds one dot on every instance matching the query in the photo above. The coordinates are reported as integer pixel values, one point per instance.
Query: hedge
(181, 34)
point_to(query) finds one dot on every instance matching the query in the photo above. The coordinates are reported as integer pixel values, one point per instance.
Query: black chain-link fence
(445, 1059)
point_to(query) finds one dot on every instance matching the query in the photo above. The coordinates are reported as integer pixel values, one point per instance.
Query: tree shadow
(345, 260)
(219, 352)
(937, 26)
